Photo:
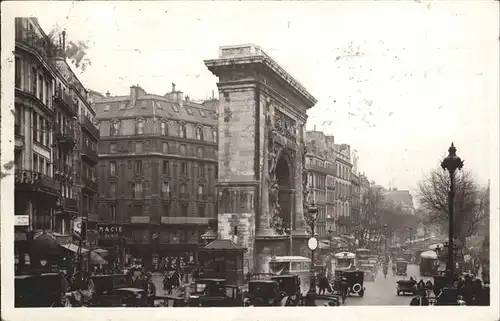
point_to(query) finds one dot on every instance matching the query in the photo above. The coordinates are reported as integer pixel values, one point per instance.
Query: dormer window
(202, 113)
(122, 106)
(189, 111)
(199, 133)
(106, 108)
(158, 105)
(182, 130)
(175, 108)
(144, 104)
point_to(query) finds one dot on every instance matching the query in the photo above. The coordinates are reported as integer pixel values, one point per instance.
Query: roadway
(383, 291)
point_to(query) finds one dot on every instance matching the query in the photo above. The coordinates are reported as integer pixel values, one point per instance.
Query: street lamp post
(451, 163)
(312, 215)
(385, 245)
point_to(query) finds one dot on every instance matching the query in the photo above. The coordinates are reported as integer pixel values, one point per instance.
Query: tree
(470, 201)
(74, 51)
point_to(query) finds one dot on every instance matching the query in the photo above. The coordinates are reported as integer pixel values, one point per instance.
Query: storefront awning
(227, 245)
(74, 248)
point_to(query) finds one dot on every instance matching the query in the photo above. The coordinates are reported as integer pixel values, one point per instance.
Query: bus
(344, 260)
(297, 265)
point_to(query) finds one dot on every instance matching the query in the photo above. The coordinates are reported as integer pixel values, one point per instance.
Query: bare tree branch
(468, 201)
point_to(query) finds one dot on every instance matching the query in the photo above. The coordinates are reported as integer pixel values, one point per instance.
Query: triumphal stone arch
(261, 181)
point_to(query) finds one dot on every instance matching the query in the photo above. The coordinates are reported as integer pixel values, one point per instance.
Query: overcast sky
(398, 81)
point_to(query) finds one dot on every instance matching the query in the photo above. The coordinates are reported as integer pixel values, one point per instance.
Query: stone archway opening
(285, 183)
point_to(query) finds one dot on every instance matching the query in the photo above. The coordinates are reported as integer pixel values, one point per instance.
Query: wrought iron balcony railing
(31, 39)
(89, 126)
(90, 154)
(66, 100)
(90, 184)
(65, 137)
(36, 182)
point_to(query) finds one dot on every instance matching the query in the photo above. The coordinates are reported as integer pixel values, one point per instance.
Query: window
(183, 150)
(165, 148)
(138, 189)
(201, 191)
(201, 210)
(112, 189)
(47, 90)
(138, 167)
(112, 168)
(189, 111)
(200, 152)
(139, 127)
(163, 128)
(35, 126)
(166, 210)
(199, 133)
(112, 148)
(112, 213)
(114, 128)
(106, 108)
(18, 72)
(138, 147)
(214, 134)
(40, 87)
(183, 188)
(184, 168)
(182, 131)
(185, 210)
(35, 162)
(33, 81)
(201, 170)
(165, 187)
(144, 104)
(166, 167)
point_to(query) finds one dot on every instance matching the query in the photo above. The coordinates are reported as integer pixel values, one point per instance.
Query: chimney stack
(108, 94)
(173, 88)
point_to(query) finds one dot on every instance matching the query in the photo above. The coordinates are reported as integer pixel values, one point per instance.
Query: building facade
(157, 173)
(345, 222)
(47, 147)
(321, 181)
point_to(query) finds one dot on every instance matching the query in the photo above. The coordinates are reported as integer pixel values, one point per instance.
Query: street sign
(21, 220)
(312, 243)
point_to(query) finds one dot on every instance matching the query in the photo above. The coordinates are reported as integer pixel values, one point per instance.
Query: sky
(398, 81)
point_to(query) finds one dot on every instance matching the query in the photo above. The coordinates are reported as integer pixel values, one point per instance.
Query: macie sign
(109, 231)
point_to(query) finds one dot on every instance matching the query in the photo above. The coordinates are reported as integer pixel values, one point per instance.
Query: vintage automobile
(263, 293)
(169, 301)
(198, 288)
(355, 280)
(126, 297)
(369, 271)
(406, 286)
(289, 287)
(439, 282)
(401, 267)
(429, 263)
(38, 291)
(220, 295)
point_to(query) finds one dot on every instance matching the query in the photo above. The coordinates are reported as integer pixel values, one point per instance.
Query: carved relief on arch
(139, 120)
(114, 121)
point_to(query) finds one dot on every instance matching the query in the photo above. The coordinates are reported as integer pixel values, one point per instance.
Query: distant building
(157, 172)
(402, 198)
(342, 154)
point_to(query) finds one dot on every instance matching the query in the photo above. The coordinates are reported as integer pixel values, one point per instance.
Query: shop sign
(21, 220)
(109, 231)
(139, 219)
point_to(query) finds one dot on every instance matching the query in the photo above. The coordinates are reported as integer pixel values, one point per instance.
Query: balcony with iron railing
(67, 101)
(61, 168)
(32, 181)
(90, 154)
(66, 137)
(321, 169)
(29, 38)
(68, 203)
(89, 126)
(90, 184)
